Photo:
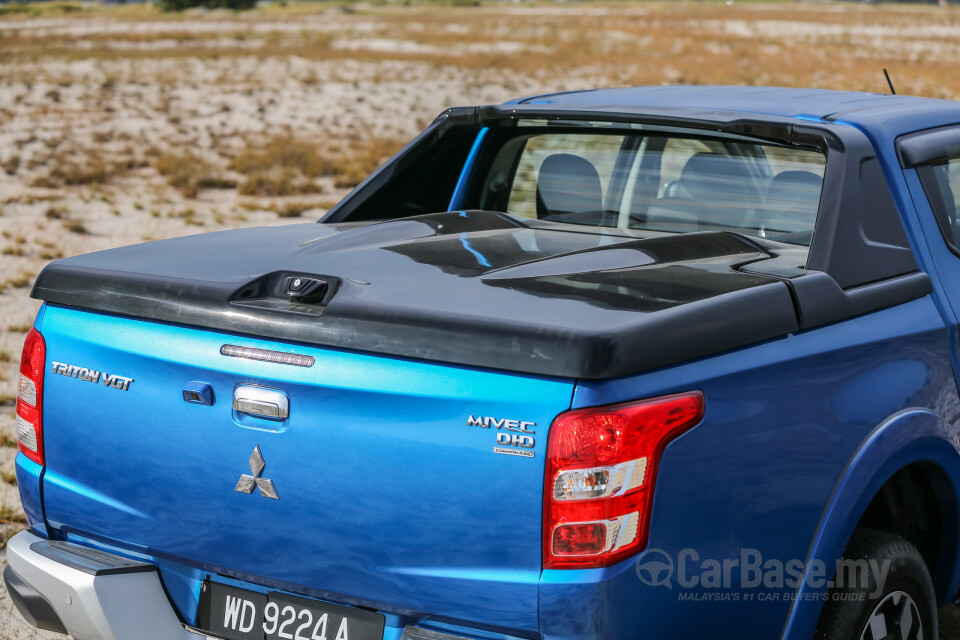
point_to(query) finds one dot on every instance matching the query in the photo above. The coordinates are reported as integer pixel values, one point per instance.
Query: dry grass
(20, 9)
(362, 159)
(283, 165)
(189, 174)
(293, 209)
(17, 282)
(81, 170)
(646, 43)
(75, 226)
(10, 515)
(277, 182)
(10, 165)
(288, 165)
(285, 151)
(188, 216)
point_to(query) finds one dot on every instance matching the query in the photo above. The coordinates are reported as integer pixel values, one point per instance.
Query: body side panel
(782, 422)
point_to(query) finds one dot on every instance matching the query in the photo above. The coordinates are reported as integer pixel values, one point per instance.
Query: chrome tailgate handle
(261, 402)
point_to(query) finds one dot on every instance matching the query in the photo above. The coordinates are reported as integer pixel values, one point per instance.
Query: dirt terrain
(121, 124)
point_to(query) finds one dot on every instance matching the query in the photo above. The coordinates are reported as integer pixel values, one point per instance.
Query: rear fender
(912, 435)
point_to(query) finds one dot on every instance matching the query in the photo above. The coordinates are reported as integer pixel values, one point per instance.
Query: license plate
(238, 614)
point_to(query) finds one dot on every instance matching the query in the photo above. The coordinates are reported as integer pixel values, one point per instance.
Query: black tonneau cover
(471, 288)
(478, 288)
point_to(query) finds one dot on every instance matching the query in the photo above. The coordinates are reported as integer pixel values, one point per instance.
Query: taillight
(601, 467)
(30, 397)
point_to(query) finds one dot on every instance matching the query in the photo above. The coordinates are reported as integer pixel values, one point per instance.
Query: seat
(568, 184)
(793, 198)
(714, 190)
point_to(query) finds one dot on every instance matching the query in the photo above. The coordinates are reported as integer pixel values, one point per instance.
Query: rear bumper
(90, 594)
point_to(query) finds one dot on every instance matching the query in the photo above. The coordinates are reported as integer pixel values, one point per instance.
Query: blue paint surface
(456, 199)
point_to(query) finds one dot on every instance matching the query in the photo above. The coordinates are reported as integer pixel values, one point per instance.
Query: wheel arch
(915, 443)
(919, 504)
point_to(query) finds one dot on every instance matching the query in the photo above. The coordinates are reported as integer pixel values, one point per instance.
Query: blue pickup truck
(668, 362)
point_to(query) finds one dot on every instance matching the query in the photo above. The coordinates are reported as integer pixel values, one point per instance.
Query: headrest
(568, 184)
(795, 192)
(710, 176)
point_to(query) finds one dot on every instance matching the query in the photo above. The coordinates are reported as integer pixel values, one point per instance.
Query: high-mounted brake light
(30, 397)
(601, 468)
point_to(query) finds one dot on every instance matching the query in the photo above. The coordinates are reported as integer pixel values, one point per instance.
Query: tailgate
(387, 496)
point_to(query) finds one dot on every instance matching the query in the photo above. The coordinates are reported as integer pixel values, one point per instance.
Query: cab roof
(884, 114)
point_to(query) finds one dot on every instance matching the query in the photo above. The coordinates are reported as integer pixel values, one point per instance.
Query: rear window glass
(656, 180)
(598, 152)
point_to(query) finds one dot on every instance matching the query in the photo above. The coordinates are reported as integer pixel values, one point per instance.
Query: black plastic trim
(761, 128)
(32, 606)
(932, 145)
(91, 561)
(821, 301)
(859, 236)
(410, 153)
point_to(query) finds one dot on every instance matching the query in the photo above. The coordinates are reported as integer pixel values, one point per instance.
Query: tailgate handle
(261, 402)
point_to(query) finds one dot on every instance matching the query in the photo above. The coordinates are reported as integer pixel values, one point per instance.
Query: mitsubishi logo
(247, 483)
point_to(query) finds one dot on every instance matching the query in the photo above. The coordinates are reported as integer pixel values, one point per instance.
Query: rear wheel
(902, 607)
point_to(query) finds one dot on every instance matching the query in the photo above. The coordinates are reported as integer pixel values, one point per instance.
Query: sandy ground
(121, 125)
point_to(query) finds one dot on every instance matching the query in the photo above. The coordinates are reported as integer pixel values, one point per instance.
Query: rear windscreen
(670, 181)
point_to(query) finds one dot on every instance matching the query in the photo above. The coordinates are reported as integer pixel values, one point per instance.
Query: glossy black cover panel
(473, 288)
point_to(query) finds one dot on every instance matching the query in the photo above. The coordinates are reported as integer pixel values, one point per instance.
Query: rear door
(387, 493)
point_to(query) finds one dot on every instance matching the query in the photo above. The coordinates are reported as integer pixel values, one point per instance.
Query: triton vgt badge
(514, 437)
(92, 375)
(246, 484)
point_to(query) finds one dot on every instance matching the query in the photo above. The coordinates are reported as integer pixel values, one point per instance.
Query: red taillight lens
(579, 539)
(601, 467)
(30, 397)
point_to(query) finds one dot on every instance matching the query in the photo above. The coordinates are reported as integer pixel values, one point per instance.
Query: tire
(904, 608)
